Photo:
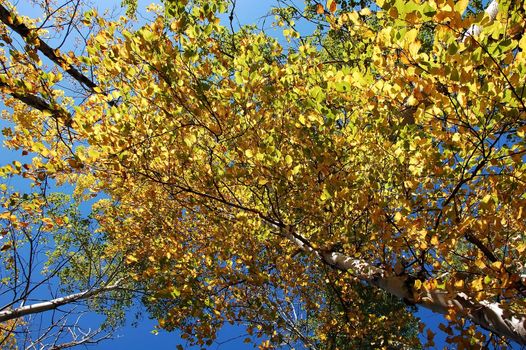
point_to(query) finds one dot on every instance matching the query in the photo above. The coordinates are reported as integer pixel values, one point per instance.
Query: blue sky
(141, 337)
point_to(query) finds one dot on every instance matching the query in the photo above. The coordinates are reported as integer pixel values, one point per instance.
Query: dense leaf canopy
(246, 179)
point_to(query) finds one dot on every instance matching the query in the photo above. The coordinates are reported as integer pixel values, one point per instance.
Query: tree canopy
(245, 178)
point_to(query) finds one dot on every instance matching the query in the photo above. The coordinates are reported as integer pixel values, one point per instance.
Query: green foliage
(78, 258)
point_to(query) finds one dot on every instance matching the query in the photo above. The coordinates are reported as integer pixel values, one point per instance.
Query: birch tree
(53, 268)
(233, 164)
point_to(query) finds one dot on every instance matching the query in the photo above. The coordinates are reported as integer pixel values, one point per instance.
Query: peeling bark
(491, 10)
(488, 315)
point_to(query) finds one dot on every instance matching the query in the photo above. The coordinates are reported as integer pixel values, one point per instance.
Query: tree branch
(478, 243)
(7, 315)
(38, 103)
(15, 23)
(490, 316)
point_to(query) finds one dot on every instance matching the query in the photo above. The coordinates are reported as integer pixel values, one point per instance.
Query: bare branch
(55, 303)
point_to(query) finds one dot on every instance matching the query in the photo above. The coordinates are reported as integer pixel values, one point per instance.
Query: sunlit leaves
(394, 139)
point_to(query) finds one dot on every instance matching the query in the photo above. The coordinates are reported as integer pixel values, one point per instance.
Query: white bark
(488, 315)
(492, 10)
(474, 30)
(52, 304)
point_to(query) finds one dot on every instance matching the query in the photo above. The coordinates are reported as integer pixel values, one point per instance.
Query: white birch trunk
(52, 304)
(488, 315)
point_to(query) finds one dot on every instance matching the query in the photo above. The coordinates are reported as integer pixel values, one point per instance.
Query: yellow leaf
(461, 6)
(365, 11)
(190, 139)
(414, 47)
(296, 169)
(459, 284)
(411, 35)
(325, 195)
(480, 264)
(358, 78)
(497, 265)
(477, 284)
(131, 259)
(418, 284)
(412, 101)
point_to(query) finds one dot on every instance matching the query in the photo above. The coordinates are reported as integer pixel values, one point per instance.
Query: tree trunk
(488, 315)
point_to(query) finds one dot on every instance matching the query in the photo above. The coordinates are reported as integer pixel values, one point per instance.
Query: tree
(53, 262)
(47, 249)
(241, 175)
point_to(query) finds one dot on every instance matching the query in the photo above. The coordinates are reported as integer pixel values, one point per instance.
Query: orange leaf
(5, 247)
(331, 5)
(319, 9)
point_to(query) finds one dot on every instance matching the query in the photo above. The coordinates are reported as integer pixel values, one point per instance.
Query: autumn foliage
(243, 178)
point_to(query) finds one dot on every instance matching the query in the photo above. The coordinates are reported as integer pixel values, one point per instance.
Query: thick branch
(7, 315)
(13, 22)
(36, 102)
(488, 315)
(478, 243)
(40, 104)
